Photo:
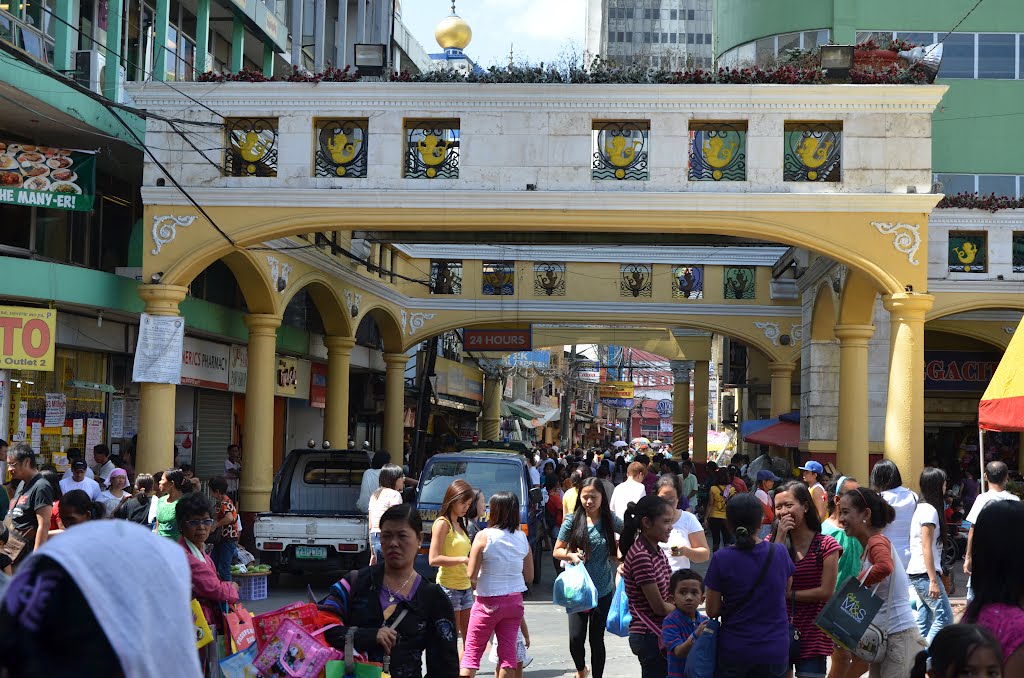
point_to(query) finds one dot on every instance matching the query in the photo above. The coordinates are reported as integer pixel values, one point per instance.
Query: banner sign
(535, 359)
(28, 337)
(664, 408)
(589, 371)
(616, 393)
(40, 176)
(292, 377)
(238, 369)
(205, 364)
(459, 380)
(497, 340)
(318, 385)
(958, 370)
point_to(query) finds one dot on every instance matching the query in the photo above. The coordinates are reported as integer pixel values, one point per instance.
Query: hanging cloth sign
(42, 176)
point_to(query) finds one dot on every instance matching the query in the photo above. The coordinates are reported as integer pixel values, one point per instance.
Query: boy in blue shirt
(681, 627)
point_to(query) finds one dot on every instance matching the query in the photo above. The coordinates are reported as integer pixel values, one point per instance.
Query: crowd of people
(779, 550)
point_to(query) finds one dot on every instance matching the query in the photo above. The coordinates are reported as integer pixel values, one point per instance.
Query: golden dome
(453, 32)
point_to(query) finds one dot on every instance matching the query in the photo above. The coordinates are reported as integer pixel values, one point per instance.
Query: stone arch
(966, 330)
(336, 318)
(391, 329)
(260, 295)
(823, 314)
(947, 304)
(857, 302)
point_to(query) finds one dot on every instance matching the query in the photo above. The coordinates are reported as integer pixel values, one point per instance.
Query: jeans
(500, 615)
(932, 614)
(223, 553)
(719, 533)
(727, 669)
(594, 621)
(652, 662)
(375, 547)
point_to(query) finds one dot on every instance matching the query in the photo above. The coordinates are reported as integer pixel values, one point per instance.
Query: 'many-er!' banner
(27, 338)
(42, 176)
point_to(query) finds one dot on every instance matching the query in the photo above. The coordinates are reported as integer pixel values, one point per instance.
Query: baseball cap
(767, 475)
(79, 465)
(813, 467)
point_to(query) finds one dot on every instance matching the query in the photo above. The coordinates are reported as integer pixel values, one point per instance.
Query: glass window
(172, 53)
(52, 232)
(788, 41)
(690, 15)
(348, 472)
(15, 226)
(765, 50)
(1018, 252)
(814, 38)
(629, 12)
(690, 38)
(707, 38)
(958, 56)
(997, 54)
(664, 37)
(656, 37)
(1000, 184)
(647, 36)
(487, 476)
(622, 36)
(611, 36)
(673, 14)
(956, 183)
(700, 38)
(919, 38)
(673, 37)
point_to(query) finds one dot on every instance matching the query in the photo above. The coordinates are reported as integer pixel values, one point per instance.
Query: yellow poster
(28, 338)
(617, 389)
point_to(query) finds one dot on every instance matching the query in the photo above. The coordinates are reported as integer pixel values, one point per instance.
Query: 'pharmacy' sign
(43, 176)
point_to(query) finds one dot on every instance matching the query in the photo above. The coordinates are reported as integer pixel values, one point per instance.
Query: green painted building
(977, 145)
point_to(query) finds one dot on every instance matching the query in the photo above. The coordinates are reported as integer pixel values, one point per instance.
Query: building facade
(975, 150)
(671, 34)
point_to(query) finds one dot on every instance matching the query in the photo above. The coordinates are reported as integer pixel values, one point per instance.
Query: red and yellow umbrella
(1002, 406)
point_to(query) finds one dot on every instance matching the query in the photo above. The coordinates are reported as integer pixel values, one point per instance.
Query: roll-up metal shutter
(213, 432)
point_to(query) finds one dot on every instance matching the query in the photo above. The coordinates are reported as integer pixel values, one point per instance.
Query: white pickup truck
(313, 524)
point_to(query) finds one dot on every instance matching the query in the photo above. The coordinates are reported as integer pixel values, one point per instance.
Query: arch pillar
(904, 416)
(258, 465)
(852, 437)
(339, 361)
(490, 422)
(394, 405)
(701, 386)
(156, 401)
(782, 394)
(681, 407)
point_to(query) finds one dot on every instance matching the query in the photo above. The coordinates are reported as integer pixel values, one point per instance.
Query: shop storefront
(456, 407)
(304, 418)
(203, 421)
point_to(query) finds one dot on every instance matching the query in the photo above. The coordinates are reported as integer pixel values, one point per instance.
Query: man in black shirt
(136, 509)
(28, 521)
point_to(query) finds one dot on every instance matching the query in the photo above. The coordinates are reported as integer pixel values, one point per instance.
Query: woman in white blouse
(388, 494)
(686, 542)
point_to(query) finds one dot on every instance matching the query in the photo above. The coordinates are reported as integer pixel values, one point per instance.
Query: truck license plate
(311, 552)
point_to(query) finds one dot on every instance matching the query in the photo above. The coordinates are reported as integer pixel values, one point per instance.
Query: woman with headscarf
(65, 588)
(118, 493)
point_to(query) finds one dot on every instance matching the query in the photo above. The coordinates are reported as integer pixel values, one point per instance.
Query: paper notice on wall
(65, 443)
(37, 436)
(116, 418)
(78, 427)
(93, 437)
(158, 350)
(131, 417)
(56, 409)
(60, 460)
(22, 419)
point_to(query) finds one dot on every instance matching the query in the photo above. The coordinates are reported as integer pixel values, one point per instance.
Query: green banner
(42, 176)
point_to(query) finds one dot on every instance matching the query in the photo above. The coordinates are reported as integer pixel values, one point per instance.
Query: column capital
(162, 299)
(908, 305)
(681, 370)
(262, 324)
(781, 369)
(396, 360)
(854, 335)
(339, 344)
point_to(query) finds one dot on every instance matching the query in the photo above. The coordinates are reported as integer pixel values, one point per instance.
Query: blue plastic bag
(574, 589)
(618, 614)
(700, 663)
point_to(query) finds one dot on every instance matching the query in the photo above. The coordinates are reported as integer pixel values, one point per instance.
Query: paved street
(549, 644)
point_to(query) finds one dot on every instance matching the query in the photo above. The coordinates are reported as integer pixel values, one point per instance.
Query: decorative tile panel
(548, 279)
(813, 151)
(1018, 252)
(740, 282)
(718, 151)
(636, 280)
(446, 276)
(499, 279)
(620, 150)
(341, 148)
(432, 149)
(688, 282)
(252, 147)
(968, 252)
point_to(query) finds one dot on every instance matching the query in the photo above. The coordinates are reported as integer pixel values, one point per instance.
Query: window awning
(780, 434)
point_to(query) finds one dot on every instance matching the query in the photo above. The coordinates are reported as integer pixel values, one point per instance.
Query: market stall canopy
(1002, 406)
(533, 416)
(780, 434)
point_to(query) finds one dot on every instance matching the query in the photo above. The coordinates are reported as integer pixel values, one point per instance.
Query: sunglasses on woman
(196, 524)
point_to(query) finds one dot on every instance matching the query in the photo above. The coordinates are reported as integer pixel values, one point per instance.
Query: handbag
(239, 627)
(305, 614)
(618, 614)
(360, 668)
(574, 589)
(849, 617)
(204, 636)
(293, 651)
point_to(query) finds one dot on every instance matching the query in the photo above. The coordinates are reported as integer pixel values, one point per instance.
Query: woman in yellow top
(720, 493)
(449, 551)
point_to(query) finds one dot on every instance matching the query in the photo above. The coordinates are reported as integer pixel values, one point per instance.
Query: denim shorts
(462, 599)
(811, 667)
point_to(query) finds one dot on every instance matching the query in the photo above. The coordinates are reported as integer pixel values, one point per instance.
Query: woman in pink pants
(499, 565)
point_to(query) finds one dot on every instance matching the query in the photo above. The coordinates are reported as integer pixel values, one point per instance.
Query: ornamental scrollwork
(718, 151)
(414, 322)
(252, 147)
(771, 330)
(813, 152)
(341, 148)
(279, 273)
(165, 229)
(907, 238)
(432, 149)
(620, 151)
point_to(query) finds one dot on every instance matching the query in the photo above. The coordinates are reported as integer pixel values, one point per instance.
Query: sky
(536, 30)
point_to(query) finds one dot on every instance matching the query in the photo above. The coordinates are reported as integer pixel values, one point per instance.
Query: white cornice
(620, 201)
(961, 217)
(709, 256)
(984, 316)
(1014, 287)
(331, 98)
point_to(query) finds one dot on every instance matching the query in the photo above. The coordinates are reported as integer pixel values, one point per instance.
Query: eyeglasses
(196, 524)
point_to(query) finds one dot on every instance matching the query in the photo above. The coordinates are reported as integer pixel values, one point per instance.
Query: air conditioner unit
(728, 409)
(89, 69)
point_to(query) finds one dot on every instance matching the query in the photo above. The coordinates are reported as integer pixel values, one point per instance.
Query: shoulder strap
(757, 582)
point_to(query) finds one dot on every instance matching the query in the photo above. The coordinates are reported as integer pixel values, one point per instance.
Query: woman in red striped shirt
(816, 557)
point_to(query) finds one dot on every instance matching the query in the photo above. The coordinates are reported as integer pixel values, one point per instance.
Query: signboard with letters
(27, 338)
(41, 176)
(205, 364)
(958, 370)
(459, 380)
(616, 393)
(505, 340)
